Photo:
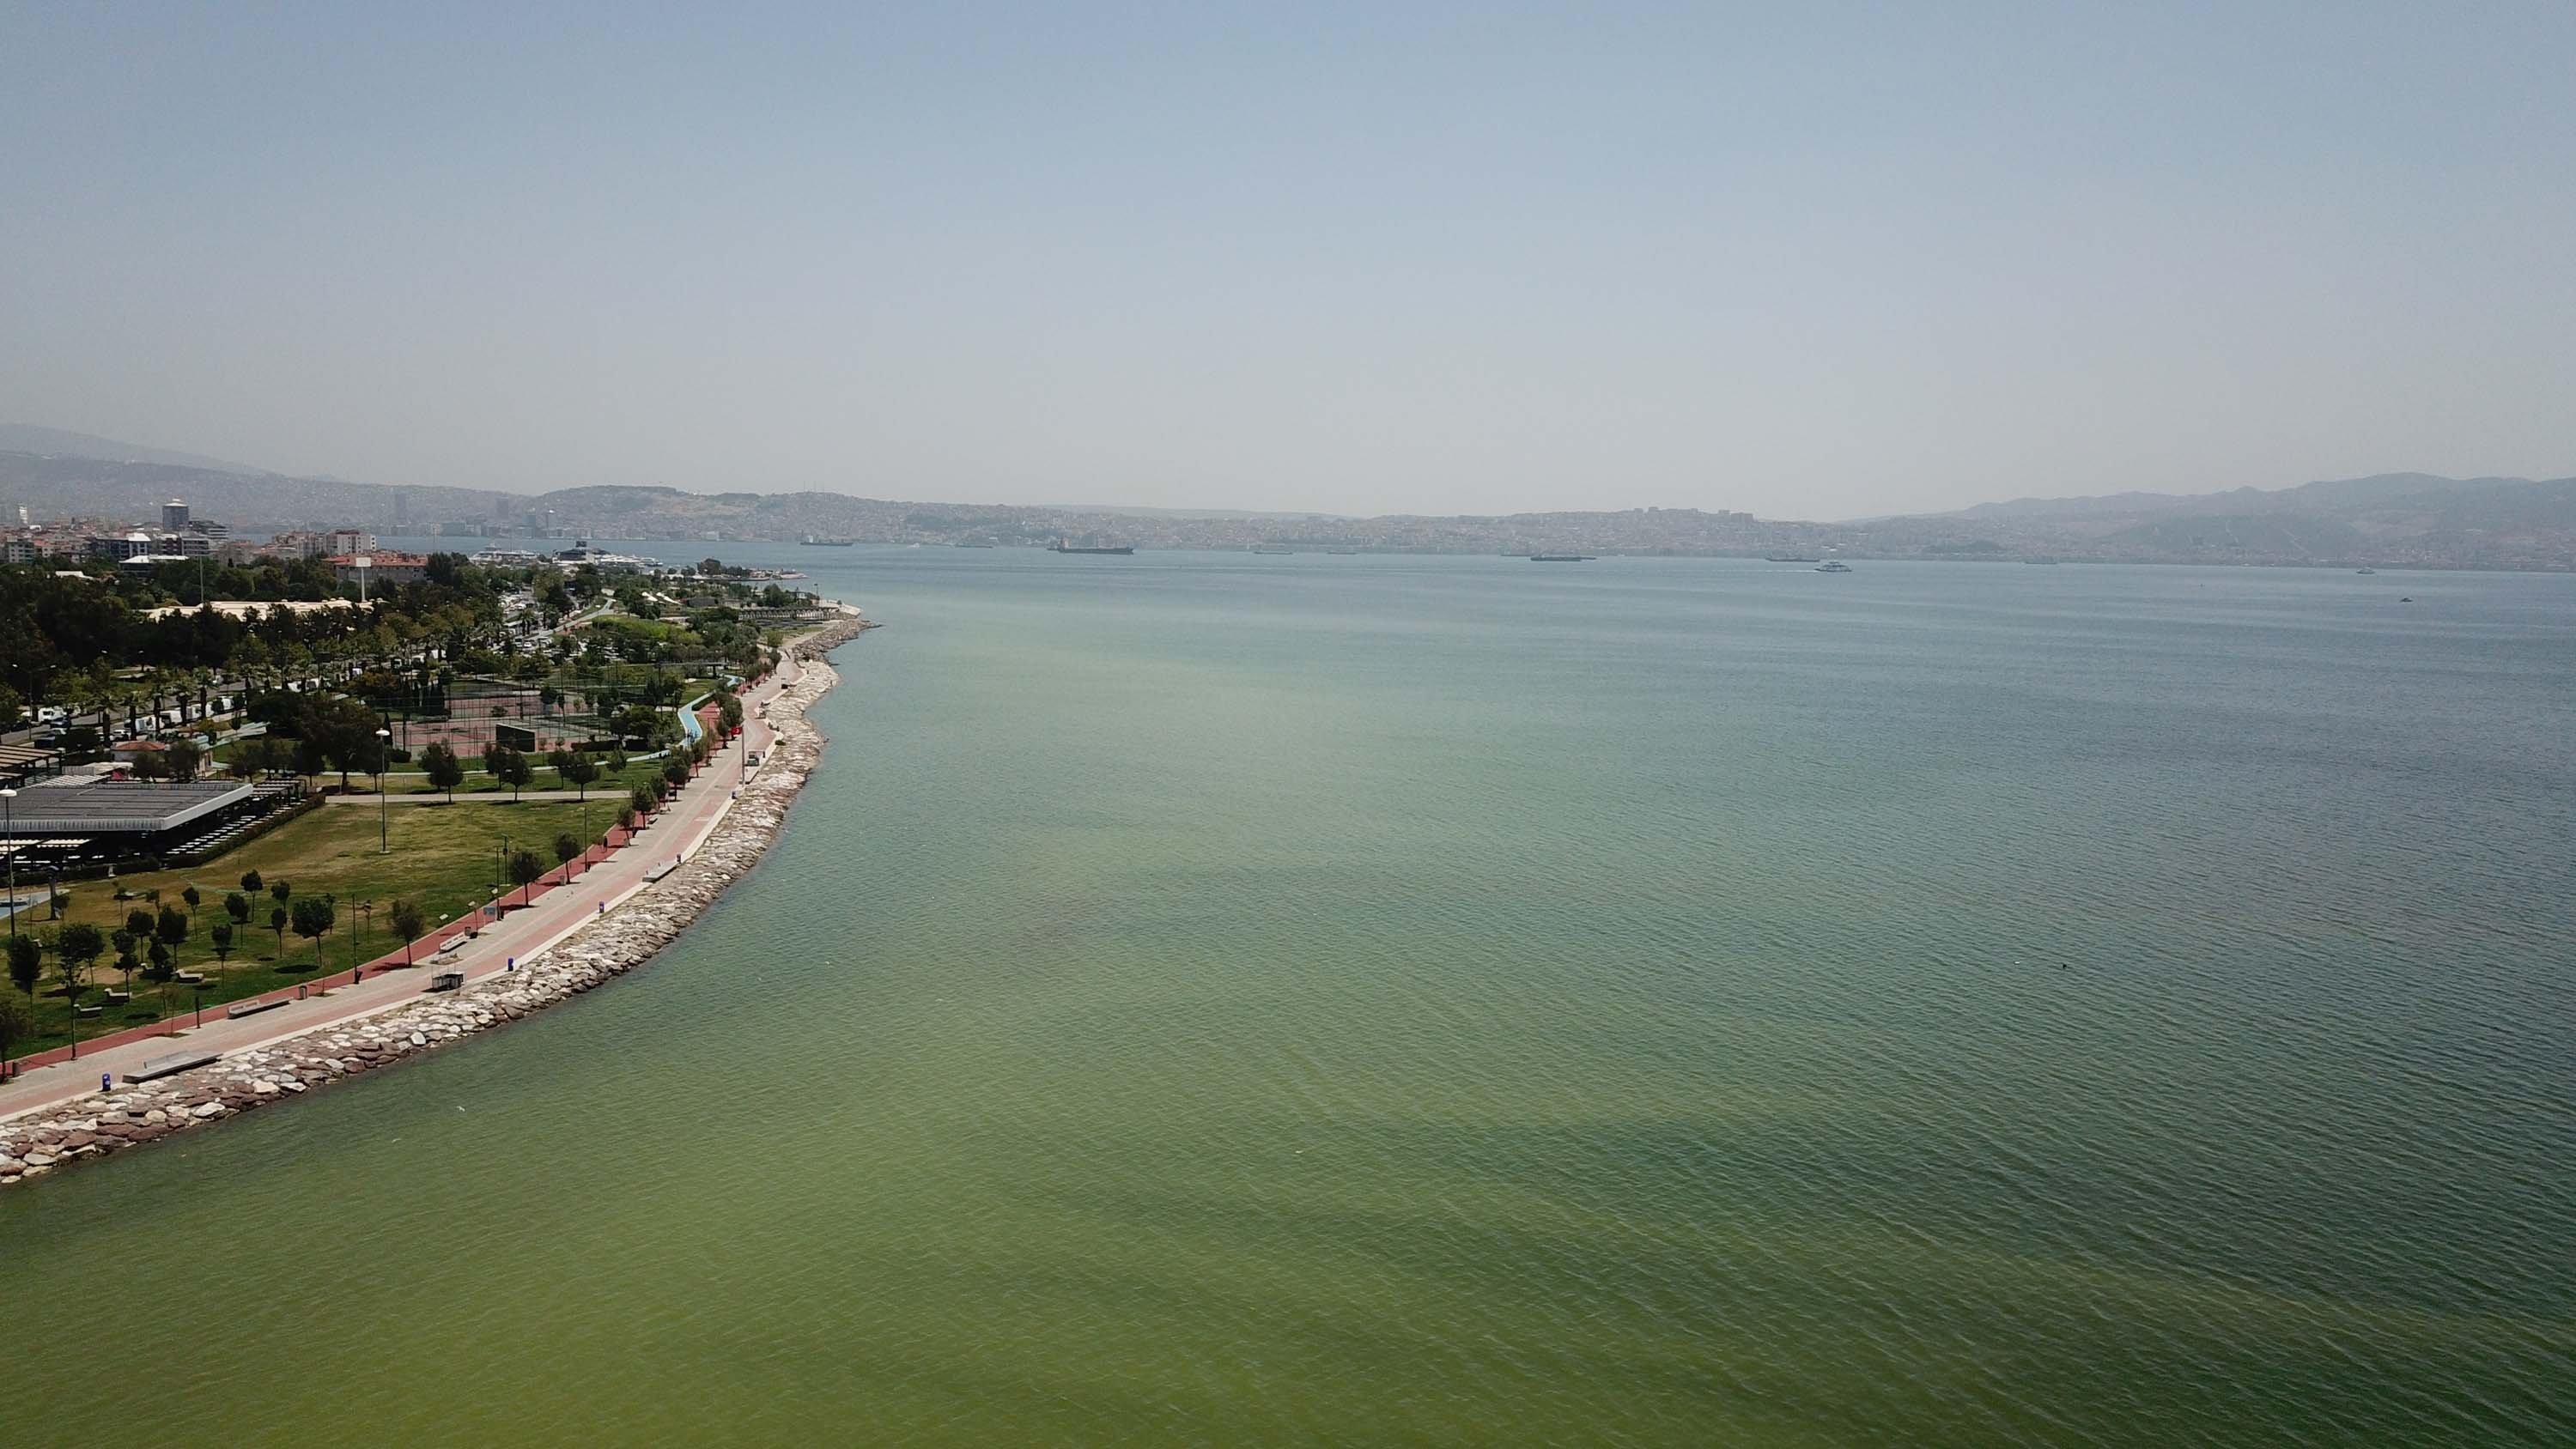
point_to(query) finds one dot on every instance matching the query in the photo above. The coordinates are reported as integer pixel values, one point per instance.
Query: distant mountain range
(2415, 519)
(25, 438)
(2385, 518)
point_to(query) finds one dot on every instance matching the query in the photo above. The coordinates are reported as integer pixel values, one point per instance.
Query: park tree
(409, 923)
(17, 1023)
(237, 906)
(139, 924)
(626, 818)
(578, 770)
(250, 882)
(642, 800)
(313, 918)
(525, 870)
(617, 761)
(277, 923)
(346, 732)
(185, 756)
(195, 898)
(510, 767)
(641, 723)
(26, 963)
(171, 928)
(163, 962)
(676, 772)
(729, 709)
(220, 936)
(79, 945)
(568, 848)
(126, 960)
(445, 771)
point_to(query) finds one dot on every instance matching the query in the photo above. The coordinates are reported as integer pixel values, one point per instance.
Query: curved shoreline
(623, 937)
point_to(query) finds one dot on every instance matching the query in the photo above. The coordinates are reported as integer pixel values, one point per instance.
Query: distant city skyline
(1826, 263)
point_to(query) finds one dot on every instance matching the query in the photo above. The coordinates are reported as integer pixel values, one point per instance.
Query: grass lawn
(442, 859)
(614, 787)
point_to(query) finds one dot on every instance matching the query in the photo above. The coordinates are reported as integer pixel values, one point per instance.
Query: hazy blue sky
(1810, 260)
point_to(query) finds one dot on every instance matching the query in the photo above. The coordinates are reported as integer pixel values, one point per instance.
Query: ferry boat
(1067, 546)
(1833, 566)
(817, 541)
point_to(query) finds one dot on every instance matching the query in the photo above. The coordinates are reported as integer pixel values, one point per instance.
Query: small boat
(1833, 566)
(2365, 569)
(2406, 600)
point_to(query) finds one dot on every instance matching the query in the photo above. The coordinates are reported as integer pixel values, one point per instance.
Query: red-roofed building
(381, 568)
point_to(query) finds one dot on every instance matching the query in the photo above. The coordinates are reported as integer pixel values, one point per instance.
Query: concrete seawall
(619, 940)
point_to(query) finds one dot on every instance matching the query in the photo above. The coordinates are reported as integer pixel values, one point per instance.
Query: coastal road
(520, 932)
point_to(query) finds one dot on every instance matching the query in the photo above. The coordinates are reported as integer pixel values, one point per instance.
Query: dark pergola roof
(120, 807)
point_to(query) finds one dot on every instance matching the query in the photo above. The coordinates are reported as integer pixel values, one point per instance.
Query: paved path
(523, 931)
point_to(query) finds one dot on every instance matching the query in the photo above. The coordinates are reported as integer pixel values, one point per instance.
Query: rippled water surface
(1229, 1000)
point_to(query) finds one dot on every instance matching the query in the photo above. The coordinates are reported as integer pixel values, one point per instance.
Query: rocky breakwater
(616, 942)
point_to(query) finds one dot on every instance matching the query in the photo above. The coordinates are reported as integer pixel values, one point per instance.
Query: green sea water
(1308, 1000)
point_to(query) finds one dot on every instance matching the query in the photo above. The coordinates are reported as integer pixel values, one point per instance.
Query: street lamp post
(384, 804)
(9, 812)
(366, 912)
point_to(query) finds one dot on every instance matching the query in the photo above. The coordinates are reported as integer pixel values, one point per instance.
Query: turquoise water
(1223, 1000)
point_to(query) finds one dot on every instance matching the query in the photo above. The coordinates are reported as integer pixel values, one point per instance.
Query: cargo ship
(812, 541)
(1065, 546)
(1560, 558)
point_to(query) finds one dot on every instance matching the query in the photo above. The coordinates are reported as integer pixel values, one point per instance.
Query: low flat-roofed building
(134, 807)
(114, 818)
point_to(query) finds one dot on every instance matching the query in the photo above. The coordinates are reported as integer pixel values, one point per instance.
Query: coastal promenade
(498, 956)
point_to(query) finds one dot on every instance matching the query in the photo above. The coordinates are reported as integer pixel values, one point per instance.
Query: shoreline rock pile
(618, 941)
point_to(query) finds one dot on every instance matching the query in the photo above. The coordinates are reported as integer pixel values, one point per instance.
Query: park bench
(154, 1068)
(191, 978)
(87, 1010)
(447, 981)
(118, 998)
(254, 1008)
